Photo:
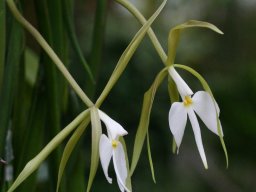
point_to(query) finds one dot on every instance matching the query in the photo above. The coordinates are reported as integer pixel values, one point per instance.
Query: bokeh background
(227, 62)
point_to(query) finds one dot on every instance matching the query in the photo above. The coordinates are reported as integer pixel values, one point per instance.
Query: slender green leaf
(145, 118)
(96, 133)
(150, 159)
(207, 88)
(69, 148)
(59, 44)
(2, 41)
(97, 43)
(127, 54)
(10, 81)
(54, 87)
(28, 136)
(174, 36)
(77, 181)
(33, 164)
(73, 38)
(50, 52)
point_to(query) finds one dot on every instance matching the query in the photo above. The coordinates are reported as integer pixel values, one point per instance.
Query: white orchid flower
(110, 147)
(202, 104)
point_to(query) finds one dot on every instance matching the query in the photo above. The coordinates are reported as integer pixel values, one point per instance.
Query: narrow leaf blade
(69, 148)
(174, 36)
(127, 54)
(33, 164)
(96, 133)
(150, 159)
(144, 118)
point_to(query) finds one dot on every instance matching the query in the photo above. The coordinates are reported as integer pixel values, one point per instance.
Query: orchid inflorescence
(111, 145)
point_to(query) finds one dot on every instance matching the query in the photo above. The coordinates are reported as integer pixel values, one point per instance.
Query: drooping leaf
(145, 117)
(127, 54)
(175, 32)
(207, 89)
(96, 133)
(34, 163)
(150, 159)
(69, 148)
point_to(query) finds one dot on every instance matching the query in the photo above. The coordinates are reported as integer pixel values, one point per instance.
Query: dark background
(226, 61)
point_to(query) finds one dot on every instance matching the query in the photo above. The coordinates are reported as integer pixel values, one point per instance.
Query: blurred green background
(227, 62)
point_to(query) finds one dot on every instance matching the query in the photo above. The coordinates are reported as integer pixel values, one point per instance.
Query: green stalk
(49, 51)
(127, 54)
(136, 13)
(2, 41)
(34, 163)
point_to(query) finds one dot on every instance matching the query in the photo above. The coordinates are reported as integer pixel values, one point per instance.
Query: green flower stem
(50, 52)
(33, 164)
(136, 13)
(127, 54)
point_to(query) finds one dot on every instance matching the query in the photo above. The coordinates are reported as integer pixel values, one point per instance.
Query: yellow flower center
(114, 143)
(187, 101)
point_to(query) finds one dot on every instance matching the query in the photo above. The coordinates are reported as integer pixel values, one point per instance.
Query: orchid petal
(114, 128)
(182, 86)
(197, 133)
(177, 121)
(120, 166)
(204, 106)
(106, 151)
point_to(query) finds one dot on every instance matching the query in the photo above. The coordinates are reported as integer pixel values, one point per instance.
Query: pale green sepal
(145, 117)
(150, 159)
(69, 148)
(173, 91)
(33, 164)
(96, 133)
(174, 145)
(174, 36)
(207, 89)
(128, 182)
(127, 54)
